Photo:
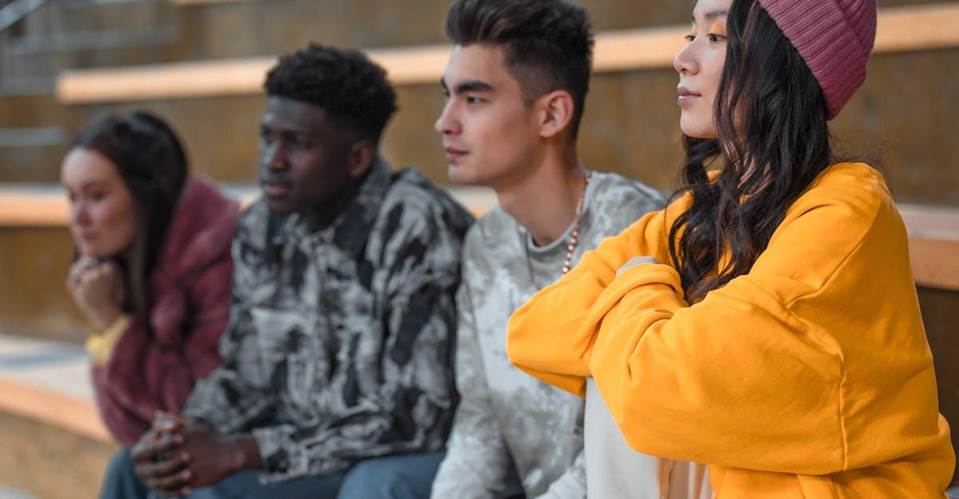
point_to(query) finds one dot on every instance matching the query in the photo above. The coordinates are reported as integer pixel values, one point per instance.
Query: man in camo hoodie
(337, 378)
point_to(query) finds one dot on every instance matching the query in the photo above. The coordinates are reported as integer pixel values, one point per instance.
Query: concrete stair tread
(6, 493)
(49, 381)
(53, 366)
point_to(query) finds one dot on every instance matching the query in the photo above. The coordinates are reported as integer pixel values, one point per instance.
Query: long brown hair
(153, 165)
(773, 140)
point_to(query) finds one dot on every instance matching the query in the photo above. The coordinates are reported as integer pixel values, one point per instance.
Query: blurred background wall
(904, 119)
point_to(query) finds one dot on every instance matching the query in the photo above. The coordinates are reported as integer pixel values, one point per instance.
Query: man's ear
(555, 113)
(361, 156)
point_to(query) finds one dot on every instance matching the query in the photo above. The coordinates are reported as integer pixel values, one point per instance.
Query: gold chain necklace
(573, 236)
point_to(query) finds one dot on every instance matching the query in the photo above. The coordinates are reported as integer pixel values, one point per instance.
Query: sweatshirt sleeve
(577, 299)
(477, 463)
(796, 367)
(572, 483)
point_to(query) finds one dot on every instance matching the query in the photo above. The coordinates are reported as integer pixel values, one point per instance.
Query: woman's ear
(556, 111)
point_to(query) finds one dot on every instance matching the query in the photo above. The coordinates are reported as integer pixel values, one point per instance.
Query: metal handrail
(16, 10)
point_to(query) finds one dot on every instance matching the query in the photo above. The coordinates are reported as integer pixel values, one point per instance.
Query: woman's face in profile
(102, 214)
(700, 67)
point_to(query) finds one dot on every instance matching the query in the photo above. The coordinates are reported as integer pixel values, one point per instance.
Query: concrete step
(31, 109)
(31, 137)
(69, 34)
(31, 163)
(47, 462)
(33, 133)
(34, 45)
(6, 493)
(54, 443)
(49, 63)
(75, 16)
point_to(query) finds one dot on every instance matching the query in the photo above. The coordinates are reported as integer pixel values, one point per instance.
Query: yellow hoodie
(809, 377)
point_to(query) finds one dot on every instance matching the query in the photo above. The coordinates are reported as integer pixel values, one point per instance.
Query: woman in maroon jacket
(153, 268)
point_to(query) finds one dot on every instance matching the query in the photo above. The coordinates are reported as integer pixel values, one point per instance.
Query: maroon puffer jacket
(155, 369)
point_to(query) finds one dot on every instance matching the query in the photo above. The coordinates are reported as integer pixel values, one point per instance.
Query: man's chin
(461, 175)
(279, 206)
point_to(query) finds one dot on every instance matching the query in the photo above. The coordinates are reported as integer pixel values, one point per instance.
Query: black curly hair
(549, 43)
(349, 86)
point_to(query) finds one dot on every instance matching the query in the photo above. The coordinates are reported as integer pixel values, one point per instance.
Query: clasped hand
(178, 455)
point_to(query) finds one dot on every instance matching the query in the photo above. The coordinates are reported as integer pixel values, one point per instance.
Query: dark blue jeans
(394, 477)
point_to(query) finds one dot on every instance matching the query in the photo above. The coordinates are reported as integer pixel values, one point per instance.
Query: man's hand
(191, 457)
(157, 457)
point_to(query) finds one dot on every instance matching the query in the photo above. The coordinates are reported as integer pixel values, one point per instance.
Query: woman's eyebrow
(716, 13)
(713, 14)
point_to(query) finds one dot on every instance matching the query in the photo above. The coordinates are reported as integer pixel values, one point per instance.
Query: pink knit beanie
(834, 37)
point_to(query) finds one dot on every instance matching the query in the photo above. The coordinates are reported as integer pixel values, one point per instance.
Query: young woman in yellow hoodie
(766, 322)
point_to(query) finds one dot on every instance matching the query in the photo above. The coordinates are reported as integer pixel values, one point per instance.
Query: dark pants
(394, 477)
(120, 481)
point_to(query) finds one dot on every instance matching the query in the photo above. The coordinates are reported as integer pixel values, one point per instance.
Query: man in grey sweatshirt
(515, 86)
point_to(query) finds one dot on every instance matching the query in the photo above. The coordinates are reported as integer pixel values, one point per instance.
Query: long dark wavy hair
(772, 141)
(153, 165)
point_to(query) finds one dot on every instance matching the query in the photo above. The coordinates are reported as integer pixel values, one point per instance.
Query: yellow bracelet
(100, 346)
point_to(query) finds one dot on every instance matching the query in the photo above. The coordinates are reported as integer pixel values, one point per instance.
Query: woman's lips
(686, 95)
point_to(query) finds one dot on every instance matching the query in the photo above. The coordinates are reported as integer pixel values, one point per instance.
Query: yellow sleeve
(804, 365)
(100, 346)
(546, 336)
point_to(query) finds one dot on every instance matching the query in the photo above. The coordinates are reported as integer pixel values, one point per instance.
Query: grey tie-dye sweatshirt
(508, 424)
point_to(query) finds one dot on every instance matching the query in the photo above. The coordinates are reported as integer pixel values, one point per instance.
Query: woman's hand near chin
(97, 288)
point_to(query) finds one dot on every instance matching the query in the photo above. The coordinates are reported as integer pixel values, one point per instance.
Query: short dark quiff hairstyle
(549, 43)
(349, 86)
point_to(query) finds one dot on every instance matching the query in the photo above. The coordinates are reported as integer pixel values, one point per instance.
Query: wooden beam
(185, 3)
(935, 262)
(900, 29)
(933, 245)
(918, 27)
(46, 206)
(188, 79)
(32, 208)
(57, 409)
(226, 77)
